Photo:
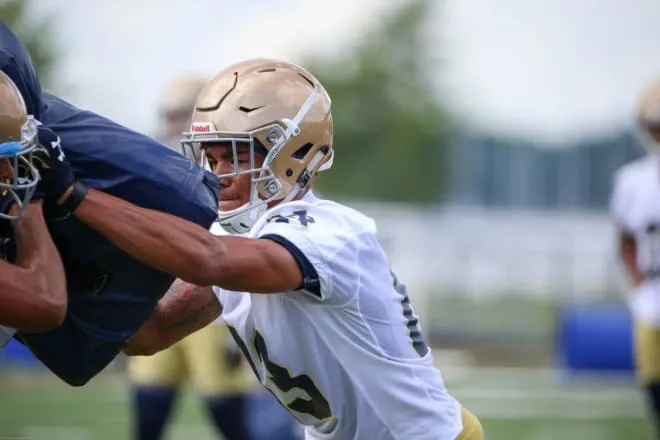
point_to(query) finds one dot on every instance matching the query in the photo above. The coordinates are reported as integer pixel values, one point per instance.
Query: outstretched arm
(183, 310)
(33, 291)
(166, 242)
(188, 251)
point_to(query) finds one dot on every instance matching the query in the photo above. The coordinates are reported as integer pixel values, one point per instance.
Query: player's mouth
(226, 198)
(229, 203)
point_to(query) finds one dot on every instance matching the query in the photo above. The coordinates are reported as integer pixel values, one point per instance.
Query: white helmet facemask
(265, 186)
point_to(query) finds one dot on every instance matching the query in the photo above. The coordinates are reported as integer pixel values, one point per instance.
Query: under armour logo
(54, 145)
(57, 145)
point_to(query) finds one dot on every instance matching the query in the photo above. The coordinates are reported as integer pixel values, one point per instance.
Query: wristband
(76, 197)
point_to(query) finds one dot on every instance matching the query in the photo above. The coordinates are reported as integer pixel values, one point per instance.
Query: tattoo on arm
(187, 308)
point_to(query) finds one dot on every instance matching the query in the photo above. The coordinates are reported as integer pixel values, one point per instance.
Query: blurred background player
(209, 357)
(635, 207)
(175, 109)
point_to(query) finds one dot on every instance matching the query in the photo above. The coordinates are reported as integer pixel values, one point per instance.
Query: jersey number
(57, 146)
(298, 216)
(316, 406)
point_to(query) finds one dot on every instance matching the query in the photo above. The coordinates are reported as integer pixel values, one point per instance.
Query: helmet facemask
(20, 187)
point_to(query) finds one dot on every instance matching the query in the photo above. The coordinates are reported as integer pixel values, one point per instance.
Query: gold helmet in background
(648, 118)
(176, 106)
(277, 109)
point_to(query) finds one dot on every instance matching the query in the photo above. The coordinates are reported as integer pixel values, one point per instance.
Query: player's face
(234, 190)
(5, 170)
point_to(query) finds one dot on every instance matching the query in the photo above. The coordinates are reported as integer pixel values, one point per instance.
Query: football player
(635, 208)
(205, 357)
(303, 283)
(110, 294)
(33, 290)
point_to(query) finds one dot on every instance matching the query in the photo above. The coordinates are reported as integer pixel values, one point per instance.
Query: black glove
(56, 172)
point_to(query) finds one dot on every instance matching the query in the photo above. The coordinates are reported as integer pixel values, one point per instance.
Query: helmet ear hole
(301, 152)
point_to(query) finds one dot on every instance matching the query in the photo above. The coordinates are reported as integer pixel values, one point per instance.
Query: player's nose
(225, 182)
(223, 167)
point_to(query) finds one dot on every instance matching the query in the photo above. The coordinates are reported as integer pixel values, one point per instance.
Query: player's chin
(229, 205)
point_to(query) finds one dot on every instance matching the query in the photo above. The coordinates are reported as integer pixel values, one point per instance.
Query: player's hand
(15, 209)
(56, 172)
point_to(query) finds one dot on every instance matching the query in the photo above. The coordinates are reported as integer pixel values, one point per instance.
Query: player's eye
(243, 159)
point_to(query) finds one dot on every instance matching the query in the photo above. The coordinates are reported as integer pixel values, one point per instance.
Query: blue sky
(548, 70)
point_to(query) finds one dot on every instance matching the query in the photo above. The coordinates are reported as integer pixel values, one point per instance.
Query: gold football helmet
(648, 118)
(18, 140)
(276, 108)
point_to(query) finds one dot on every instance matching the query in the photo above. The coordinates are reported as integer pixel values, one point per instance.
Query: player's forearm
(33, 292)
(163, 241)
(36, 251)
(185, 309)
(25, 304)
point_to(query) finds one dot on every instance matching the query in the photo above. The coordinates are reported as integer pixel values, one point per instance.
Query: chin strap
(292, 128)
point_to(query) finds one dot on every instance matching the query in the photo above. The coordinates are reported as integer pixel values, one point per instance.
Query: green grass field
(513, 404)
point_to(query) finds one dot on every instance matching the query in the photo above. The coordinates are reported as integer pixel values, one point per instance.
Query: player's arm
(628, 256)
(33, 291)
(185, 309)
(190, 252)
(166, 242)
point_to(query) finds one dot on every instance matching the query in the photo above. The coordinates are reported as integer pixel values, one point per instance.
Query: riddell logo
(202, 127)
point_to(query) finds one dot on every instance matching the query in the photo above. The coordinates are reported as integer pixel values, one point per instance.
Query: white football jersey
(216, 229)
(635, 207)
(347, 358)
